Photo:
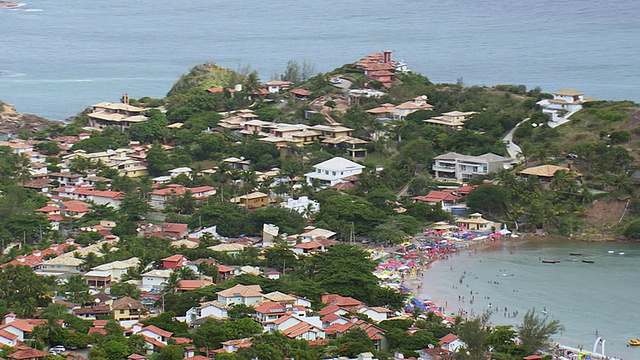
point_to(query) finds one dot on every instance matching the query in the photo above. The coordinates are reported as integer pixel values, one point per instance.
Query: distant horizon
(53, 70)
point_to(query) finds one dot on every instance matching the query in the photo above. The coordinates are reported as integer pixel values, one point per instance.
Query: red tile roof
(27, 354)
(157, 330)
(447, 339)
(301, 92)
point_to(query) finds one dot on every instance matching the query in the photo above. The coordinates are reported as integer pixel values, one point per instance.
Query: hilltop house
(564, 104)
(121, 115)
(333, 171)
(453, 120)
(461, 168)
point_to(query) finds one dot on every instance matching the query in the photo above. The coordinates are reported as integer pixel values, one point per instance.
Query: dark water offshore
(57, 57)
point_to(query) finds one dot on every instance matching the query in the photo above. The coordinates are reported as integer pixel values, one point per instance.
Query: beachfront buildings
(333, 171)
(460, 168)
(121, 115)
(564, 104)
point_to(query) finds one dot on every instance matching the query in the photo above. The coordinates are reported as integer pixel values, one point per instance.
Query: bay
(584, 297)
(57, 57)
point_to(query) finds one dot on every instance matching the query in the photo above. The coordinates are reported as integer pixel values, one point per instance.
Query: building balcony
(444, 168)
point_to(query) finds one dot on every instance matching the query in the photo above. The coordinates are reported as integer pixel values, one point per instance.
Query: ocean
(585, 297)
(58, 57)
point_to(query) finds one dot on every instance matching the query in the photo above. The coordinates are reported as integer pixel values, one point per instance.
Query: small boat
(610, 251)
(549, 261)
(575, 253)
(634, 342)
(588, 261)
(621, 253)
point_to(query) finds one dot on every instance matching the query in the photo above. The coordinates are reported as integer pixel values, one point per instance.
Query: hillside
(205, 76)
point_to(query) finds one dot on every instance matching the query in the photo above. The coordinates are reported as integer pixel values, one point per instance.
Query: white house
(303, 205)
(333, 171)
(155, 279)
(155, 333)
(461, 168)
(451, 342)
(210, 309)
(564, 104)
(376, 314)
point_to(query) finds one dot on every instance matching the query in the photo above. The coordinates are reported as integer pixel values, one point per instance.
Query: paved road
(512, 148)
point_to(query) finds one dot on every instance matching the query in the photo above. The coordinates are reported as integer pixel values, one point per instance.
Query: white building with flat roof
(462, 168)
(333, 171)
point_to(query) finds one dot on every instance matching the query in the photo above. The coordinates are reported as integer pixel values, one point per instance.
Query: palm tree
(186, 273)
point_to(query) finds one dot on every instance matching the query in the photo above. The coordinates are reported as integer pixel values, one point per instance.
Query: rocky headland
(9, 4)
(12, 122)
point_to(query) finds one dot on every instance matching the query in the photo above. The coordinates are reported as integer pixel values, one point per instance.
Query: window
(463, 167)
(333, 173)
(121, 312)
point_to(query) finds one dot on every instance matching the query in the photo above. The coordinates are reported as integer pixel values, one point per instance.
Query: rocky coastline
(13, 122)
(9, 4)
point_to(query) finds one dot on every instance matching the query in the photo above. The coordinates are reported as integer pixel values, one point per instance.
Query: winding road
(512, 148)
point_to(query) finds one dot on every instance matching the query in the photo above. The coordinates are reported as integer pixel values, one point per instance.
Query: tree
(502, 338)
(346, 270)
(492, 199)
(354, 342)
(536, 331)
(157, 160)
(279, 256)
(122, 289)
(133, 207)
(77, 289)
(474, 334)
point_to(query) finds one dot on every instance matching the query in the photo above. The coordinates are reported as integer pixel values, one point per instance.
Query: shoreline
(464, 308)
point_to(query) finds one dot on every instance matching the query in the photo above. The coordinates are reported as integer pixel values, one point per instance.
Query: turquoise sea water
(584, 297)
(57, 57)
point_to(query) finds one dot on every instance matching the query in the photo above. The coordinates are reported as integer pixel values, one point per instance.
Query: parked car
(57, 349)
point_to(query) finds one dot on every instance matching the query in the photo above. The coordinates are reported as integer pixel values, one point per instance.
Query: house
(378, 67)
(354, 147)
(308, 248)
(460, 168)
(8, 339)
(241, 294)
(253, 200)
(230, 249)
(409, 107)
(444, 198)
(160, 198)
(435, 354)
(121, 115)
(453, 120)
(333, 171)
(376, 314)
(232, 346)
(26, 353)
(189, 285)
(207, 310)
(347, 303)
(451, 342)
(275, 86)
(300, 94)
(128, 309)
(333, 130)
(564, 104)
(92, 312)
(98, 279)
(174, 261)
(117, 268)
(547, 172)
(475, 222)
(155, 333)
(155, 279)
